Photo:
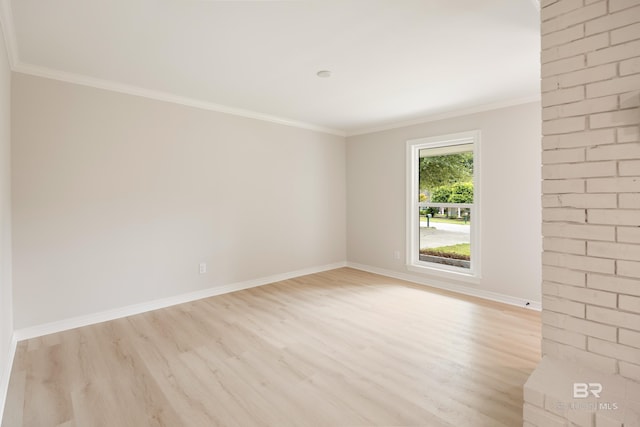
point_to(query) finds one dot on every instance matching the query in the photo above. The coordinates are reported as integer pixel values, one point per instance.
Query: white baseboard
(90, 319)
(76, 322)
(5, 375)
(435, 283)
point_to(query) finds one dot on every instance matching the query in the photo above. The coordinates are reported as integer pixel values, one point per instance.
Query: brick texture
(590, 69)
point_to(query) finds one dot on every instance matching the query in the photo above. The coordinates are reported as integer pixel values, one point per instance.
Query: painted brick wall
(591, 185)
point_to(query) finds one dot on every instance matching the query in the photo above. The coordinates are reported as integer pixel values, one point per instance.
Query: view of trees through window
(446, 201)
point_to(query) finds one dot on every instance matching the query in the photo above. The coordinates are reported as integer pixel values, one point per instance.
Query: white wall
(510, 179)
(6, 303)
(118, 198)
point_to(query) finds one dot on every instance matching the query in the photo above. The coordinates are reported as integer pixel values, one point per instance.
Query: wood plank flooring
(340, 348)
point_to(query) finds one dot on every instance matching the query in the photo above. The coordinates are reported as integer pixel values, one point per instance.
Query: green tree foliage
(441, 194)
(438, 171)
(461, 192)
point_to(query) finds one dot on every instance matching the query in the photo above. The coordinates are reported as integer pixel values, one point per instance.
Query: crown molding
(447, 115)
(8, 30)
(164, 96)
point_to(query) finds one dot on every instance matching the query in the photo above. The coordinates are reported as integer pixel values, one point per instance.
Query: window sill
(456, 275)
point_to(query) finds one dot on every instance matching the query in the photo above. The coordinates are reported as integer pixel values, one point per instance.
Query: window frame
(413, 262)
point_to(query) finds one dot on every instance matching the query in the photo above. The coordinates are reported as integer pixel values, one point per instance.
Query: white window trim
(414, 264)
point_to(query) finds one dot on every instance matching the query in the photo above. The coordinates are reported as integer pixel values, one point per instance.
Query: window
(443, 205)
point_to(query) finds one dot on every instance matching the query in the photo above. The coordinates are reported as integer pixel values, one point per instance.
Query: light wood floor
(340, 348)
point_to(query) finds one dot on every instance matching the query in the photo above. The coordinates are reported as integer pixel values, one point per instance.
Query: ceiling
(391, 60)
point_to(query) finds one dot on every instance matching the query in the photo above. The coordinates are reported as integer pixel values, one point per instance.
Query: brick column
(591, 215)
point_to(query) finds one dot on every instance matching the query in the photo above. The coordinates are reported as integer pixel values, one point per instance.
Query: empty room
(320, 213)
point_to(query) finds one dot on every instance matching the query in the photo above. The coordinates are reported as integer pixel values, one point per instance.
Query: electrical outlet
(396, 254)
(203, 267)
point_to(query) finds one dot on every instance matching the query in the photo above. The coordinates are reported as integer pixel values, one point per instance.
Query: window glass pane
(446, 201)
(445, 236)
(443, 167)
